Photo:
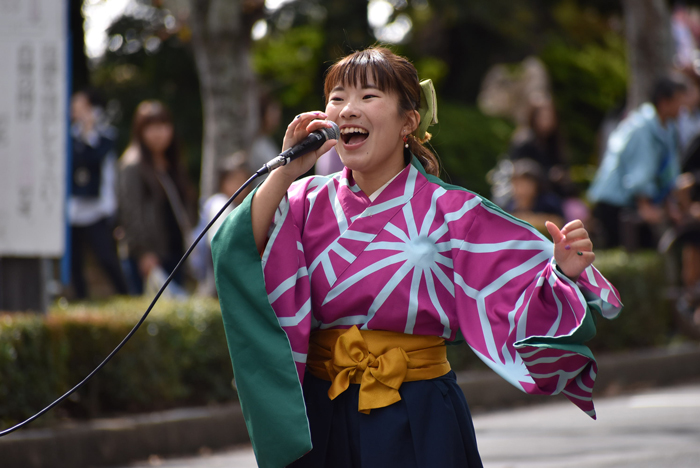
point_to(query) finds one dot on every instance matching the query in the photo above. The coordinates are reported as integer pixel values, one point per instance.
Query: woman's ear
(412, 121)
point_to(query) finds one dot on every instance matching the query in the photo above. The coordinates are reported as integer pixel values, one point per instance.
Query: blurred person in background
(92, 206)
(542, 142)
(233, 173)
(689, 114)
(687, 231)
(640, 167)
(329, 163)
(684, 42)
(155, 198)
(264, 148)
(531, 199)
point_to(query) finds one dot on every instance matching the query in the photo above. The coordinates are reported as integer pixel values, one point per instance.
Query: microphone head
(332, 132)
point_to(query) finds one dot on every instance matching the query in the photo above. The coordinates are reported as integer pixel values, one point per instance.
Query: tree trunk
(649, 46)
(221, 44)
(80, 75)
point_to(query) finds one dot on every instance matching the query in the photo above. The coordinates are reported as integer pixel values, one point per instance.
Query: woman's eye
(369, 96)
(336, 98)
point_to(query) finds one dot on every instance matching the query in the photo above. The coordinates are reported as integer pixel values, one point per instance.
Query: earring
(405, 141)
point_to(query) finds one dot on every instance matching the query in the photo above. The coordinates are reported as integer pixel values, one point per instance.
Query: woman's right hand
(271, 192)
(297, 130)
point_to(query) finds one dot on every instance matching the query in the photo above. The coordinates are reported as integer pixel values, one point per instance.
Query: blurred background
(484, 57)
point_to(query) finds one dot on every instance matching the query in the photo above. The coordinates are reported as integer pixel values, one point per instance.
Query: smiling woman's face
(371, 128)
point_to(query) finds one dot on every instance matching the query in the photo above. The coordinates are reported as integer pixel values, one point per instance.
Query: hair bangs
(361, 68)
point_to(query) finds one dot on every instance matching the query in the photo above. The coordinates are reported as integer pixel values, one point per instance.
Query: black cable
(263, 170)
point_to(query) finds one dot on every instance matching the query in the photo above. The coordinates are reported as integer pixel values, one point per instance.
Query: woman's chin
(348, 160)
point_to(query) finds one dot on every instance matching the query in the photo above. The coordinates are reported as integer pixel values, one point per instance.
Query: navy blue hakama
(430, 427)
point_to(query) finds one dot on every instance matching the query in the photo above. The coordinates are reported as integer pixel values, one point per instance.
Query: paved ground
(659, 428)
(649, 429)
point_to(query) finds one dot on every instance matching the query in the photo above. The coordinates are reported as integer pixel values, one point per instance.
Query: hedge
(647, 319)
(179, 357)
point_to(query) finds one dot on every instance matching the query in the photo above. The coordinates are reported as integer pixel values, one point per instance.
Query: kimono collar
(347, 179)
(377, 192)
(353, 198)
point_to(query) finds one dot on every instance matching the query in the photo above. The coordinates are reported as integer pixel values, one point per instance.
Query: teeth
(346, 130)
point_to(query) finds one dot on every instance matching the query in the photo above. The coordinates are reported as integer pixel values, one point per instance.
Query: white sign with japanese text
(33, 127)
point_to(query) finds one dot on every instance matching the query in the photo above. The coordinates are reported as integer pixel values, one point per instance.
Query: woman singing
(339, 292)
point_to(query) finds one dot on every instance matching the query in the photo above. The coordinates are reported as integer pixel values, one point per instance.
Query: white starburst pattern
(324, 259)
(419, 254)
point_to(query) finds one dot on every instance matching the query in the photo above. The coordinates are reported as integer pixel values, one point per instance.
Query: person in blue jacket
(640, 165)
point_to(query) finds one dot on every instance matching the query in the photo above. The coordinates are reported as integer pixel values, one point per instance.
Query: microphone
(311, 143)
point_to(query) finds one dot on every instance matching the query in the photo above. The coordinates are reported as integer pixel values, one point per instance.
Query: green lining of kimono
(268, 385)
(571, 343)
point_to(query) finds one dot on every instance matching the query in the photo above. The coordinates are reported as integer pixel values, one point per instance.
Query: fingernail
(579, 253)
(297, 116)
(568, 247)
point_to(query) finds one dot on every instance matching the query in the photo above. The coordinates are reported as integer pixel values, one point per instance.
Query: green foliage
(178, 357)
(289, 63)
(431, 67)
(32, 365)
(468, 144)
(586, 60)
(647, 319)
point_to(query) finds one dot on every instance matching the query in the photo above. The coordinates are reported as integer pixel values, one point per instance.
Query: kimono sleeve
(266, 363)
(521, 316)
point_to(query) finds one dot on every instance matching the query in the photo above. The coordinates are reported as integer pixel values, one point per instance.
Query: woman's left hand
(573, 249)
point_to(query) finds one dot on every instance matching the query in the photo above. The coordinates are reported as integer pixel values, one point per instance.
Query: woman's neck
(373, 181)
(160, 162)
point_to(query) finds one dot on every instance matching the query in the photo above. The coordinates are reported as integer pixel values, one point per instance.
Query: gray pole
(23, 284)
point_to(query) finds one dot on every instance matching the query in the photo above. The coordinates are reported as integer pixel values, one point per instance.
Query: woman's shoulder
(458, 202)
(452, 191)
(130, 158)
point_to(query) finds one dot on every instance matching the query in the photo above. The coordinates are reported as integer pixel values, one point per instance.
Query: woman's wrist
(265, 202)
(283, 176)
(573, 278)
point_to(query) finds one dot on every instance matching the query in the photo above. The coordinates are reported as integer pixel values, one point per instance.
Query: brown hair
(390, 73)
(553, 143)
(151, 112)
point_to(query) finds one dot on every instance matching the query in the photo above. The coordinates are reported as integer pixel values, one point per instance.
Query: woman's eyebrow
(367, 86)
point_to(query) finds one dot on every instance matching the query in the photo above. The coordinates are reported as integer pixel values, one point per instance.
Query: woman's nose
(349, 110)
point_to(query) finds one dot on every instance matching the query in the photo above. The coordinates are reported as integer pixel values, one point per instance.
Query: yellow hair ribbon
(427, 109)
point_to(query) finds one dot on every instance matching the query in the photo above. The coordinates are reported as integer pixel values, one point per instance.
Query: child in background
(531, 201)
(233, 172)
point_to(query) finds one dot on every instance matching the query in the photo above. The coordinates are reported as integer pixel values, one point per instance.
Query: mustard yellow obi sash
(380, 361)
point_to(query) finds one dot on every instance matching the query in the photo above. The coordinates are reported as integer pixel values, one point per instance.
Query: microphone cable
(263, 170)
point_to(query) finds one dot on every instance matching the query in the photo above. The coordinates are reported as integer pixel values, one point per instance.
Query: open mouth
(353, 135)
